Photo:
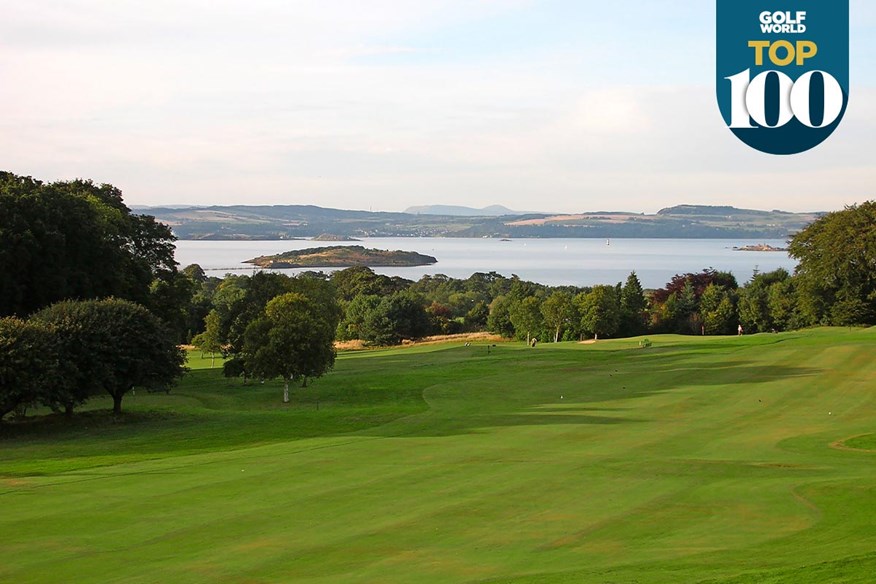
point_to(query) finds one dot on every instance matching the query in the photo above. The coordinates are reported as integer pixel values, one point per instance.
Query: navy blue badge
(782, 71)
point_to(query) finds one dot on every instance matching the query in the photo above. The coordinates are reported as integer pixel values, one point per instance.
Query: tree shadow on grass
(461, 392)
(563, 394)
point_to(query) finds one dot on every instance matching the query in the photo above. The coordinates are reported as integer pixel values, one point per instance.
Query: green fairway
(734, 460)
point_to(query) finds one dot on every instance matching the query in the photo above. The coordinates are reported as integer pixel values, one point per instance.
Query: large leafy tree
(558, 311)
(757, 313)
(782, 304)
(242, 301)
(75, 240)
(499, 320)
(293, 340)
(113, 346)
(28, 363)
(526, 317)
(238, 302)
(360, 280)
(170, 298)
(353, 325)
(836, 276)
(600, 311)
(717, 311)
(397, 317)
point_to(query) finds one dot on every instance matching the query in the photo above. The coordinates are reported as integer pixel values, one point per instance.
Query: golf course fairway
(728, 459)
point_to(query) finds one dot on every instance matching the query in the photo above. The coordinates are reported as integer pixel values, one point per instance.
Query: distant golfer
(740, 329)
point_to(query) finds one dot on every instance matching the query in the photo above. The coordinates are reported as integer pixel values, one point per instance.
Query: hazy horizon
(557, 105)
(516, 211)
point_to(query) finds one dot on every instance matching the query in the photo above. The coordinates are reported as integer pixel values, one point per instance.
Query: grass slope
(717, 460)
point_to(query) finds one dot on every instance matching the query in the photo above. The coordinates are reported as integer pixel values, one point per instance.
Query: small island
(759, 247)
(334, 237)
(342, 256)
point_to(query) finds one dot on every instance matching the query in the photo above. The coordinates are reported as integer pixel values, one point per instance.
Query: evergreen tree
(633, 307)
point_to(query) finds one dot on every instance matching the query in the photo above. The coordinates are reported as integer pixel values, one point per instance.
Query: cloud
(391, 104)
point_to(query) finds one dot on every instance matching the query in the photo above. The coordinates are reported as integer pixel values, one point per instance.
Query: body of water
(579, 262)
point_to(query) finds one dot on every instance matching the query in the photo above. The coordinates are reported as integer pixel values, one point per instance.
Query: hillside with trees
(306, 221)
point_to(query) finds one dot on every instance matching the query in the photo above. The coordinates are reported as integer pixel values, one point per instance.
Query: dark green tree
(717, 312)
(836, 274)
(687, 318)
(634, 307)
(396, 317)
(113, 346)
(75, 240)
(293, 340)
(499, 320)
(360, 280)
(353, 324)
(526, 317)
(755, 313)
(29, 363)
(782, 305)
(476, 318)
(558, 311)
(170, 298)
(600, 311)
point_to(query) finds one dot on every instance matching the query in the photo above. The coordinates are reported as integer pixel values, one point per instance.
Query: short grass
(720, 460)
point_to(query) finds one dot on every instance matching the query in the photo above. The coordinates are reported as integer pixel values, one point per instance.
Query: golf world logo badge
(783, 71)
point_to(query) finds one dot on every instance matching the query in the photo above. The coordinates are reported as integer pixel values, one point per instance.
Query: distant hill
(712, 211)
(278, 222)
(147, 208)
(459, 211)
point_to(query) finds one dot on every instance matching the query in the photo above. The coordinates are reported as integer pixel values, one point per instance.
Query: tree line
(92, 301)
(834, 284)
(89, 296)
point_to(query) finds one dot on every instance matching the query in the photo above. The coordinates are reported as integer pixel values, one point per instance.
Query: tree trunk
(212, 359)
(117, 402)
(68, 410)
(304, 382)
(285, 390)
(557, 335)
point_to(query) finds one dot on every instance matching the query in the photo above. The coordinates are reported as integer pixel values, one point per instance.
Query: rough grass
(696, 460)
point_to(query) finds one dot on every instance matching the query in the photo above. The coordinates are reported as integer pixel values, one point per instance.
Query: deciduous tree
(75, 240)
(558, 311)
(836, 276)
(113, 346)
(600, 311)
(526, 317)
(293, 340)
(28, 363)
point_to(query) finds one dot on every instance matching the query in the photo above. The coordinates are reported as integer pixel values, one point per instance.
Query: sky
(542, 105)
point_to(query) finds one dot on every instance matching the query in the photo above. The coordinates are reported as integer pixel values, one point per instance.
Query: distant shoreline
(716, 237)
(761, 247)
(267, 223)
